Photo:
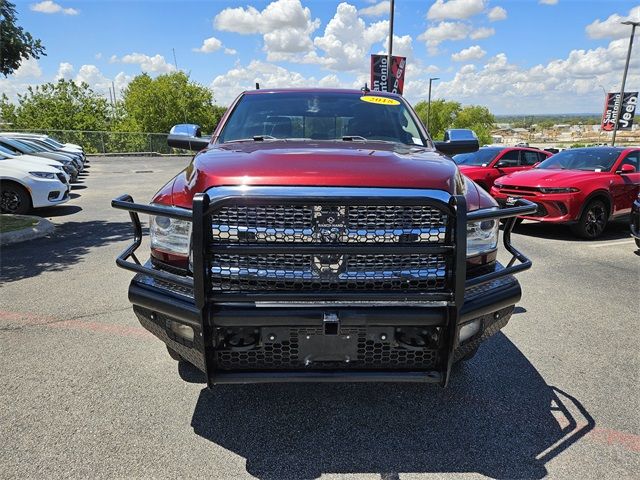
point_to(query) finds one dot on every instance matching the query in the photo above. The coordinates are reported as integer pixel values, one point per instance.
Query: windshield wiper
(352, 138)
(255, 138)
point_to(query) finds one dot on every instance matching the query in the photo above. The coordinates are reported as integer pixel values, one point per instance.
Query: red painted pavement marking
(48, 321)
(607, 436)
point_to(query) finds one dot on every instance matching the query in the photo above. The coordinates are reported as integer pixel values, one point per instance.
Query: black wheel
(638, 242)
(469, 355)
(592, 221)
(14, 199)
(175, 355)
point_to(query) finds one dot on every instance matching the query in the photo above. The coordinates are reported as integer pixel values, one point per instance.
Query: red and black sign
(381, 81)
(611, 106)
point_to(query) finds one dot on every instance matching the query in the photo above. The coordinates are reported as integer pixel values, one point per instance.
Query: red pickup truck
(321, 235)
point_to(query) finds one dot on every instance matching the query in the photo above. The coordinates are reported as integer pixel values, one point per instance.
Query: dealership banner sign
(611, 106)
(381, 81)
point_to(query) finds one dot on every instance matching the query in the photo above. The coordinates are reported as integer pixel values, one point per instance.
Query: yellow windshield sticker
(379, 100)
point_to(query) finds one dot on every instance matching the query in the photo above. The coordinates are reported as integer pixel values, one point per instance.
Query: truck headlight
(557, 190)
(170, 235)
(482, 237)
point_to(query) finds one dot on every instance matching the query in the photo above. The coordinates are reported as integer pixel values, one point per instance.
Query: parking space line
(611, 244)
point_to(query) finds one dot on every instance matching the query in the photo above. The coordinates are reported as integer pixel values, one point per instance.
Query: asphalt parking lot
(87, 393)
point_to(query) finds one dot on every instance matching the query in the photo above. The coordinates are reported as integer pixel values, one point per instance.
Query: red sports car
(585, 187)
(490, 163)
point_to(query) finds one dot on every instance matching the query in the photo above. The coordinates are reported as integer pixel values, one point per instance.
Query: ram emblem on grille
(329, 227)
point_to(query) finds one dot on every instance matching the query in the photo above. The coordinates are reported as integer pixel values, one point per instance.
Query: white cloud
(238, 79)
(209, 45)
(230, 51)
(377, 10)
(443, 31)
(612, 27)
(91, 75)
(455, 9)
(52, 7)
(29, 68)
(65, 70)
(496, 14)
(402, 46)
(285, 25)
(565, 85)
(482, 32)
(467, 54)
(98, 56)
(347, 40)
(155, 64)
(548, 2)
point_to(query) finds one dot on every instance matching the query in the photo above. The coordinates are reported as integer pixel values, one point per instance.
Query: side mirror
(458, 140)
(187, 136)
(626, 168)
(536, 164)
(502, 164)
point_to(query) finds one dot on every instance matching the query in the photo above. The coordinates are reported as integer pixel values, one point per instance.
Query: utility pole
(429, 101)
(624, 78)
(390, 49)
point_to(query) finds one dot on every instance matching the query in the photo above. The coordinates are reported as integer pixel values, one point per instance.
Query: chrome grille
(329, 224)
(362, 224)
(300, 272)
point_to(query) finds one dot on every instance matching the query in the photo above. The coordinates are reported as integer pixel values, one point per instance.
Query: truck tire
(593, 220)
(14, 199)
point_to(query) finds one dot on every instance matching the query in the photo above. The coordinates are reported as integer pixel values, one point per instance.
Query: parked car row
(36, 171)
(582, 187)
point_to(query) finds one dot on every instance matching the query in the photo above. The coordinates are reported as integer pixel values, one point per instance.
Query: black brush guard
(199, 314)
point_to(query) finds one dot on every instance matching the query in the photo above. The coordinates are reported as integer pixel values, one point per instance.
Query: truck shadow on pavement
(498, 418)
(617, 230)
(65, 247)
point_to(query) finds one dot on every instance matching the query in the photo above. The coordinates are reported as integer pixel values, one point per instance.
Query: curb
(42, 228)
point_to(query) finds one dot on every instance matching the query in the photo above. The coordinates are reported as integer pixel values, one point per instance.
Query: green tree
(16, 44)
(446, 115)
(63, 105)
(7, 111)
(441, 117)
(477, 118)
(156, 104)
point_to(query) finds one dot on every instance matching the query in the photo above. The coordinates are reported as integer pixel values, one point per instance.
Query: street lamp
(624, 78)
(429, 101)
(390, 49)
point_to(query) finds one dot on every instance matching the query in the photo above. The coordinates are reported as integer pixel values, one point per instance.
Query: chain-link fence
(111, 142)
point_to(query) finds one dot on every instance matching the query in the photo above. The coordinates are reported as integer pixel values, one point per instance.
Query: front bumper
(324, 336)
(552, 207)
(635, 219)
(293, 344)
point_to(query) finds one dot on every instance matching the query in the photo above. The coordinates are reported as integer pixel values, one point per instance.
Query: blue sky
(514, 56)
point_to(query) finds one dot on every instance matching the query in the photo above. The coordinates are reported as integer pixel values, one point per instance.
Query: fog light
(468, 330)
(182, 330)
(53, 195)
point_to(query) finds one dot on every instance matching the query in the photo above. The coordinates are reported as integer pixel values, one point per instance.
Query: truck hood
(547, 177)
(297, 163)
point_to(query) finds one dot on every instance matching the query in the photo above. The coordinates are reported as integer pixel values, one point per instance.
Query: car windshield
(328, 116)
(484, 156)
(6, 152)
(590, 159)
(21, 147)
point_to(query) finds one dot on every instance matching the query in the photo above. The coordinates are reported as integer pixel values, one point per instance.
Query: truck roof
(352, 91)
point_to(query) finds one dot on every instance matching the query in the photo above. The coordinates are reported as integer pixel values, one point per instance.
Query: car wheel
(14, 199)
(175, 355)
(638, 242)
(592, 221)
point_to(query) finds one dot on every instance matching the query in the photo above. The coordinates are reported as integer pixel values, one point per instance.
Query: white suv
(25, 185)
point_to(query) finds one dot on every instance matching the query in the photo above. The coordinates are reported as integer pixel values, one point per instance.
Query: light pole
(624, 78)
(429, 101)
(390, 50)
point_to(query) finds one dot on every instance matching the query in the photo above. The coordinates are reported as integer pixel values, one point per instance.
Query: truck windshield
(594, 159)
(322, 116)
(483, 157)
